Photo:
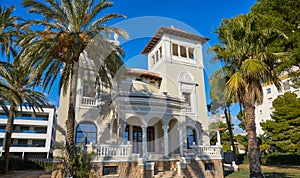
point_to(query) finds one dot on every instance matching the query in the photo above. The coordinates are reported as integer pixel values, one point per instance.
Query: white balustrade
(88, 101)
(208, 151)
(114, 150)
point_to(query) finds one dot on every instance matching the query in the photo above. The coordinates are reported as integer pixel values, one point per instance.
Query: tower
(177, 56)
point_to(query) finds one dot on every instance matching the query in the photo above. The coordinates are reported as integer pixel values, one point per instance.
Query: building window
(22, 142)
(160, 52)
(191, 53)
(268, 90)
(209, 166)
(126, 134)
(38, 143)
(175, 49)
(86, 133)
(183, 51)
(89, 88)
(187, 98)
(110, 170)
(191, 137)
(150, 139)
(260, 112)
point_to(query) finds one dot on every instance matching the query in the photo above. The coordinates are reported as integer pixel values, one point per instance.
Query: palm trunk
(253, 153)
(229, 125)
(70, 123)
(9, 128)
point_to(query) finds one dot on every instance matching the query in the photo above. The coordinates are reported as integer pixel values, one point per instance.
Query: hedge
(281, 159)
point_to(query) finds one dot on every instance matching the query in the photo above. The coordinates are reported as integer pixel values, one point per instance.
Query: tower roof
(171, 31)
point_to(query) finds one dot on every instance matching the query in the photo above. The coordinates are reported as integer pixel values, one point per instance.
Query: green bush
(281, 159)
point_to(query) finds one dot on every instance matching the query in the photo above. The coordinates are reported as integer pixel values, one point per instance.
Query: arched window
(190, 137)
(86, 133)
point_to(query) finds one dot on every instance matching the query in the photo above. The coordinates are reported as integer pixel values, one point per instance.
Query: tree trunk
(70, 123)
(229, 125)
(9, 128)
(253, 152)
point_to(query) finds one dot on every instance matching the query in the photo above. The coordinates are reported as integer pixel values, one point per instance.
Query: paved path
(27, 174)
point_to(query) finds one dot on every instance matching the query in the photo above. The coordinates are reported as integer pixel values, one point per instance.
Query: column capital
(165, 127)
(144, 126)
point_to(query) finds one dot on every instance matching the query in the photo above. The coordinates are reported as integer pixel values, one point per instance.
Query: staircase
(168, 174)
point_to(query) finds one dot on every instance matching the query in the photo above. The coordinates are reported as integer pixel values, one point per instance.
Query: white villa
(152, 122)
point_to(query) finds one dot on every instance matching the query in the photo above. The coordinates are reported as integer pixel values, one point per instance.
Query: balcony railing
(26, 118)
(114, 150)
(207, 152)
(88, 101)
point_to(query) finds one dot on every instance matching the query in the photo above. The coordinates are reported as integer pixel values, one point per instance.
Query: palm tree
(219, 101)
(7, 30)
(249, 63)
(69, 25)
(16, 90)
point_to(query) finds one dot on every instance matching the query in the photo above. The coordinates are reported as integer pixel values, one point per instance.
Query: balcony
(206, 152)
(25, 118)
(88, 101)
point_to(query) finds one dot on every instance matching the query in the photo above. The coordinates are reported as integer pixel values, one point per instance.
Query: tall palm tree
(7, 30)
(16, 90)
(219, 101)
(244, 50)
(69, 25)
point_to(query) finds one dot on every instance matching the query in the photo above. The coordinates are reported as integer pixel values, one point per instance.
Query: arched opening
(86, 133)
(173, 137)
(190, 137)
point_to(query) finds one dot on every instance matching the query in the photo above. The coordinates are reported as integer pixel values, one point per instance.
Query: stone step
(168, 174)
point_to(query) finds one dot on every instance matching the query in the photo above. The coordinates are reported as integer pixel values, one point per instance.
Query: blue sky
(144, 17)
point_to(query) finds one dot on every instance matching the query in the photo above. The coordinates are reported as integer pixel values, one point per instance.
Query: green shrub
(281, 159)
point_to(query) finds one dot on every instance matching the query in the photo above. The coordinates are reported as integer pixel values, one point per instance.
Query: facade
(270, 93)
(150, 120)
(33, 133)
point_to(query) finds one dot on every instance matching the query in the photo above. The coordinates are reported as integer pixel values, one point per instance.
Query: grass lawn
(269, 171)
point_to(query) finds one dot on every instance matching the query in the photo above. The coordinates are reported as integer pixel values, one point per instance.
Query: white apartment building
(270, 93)
(33, 133)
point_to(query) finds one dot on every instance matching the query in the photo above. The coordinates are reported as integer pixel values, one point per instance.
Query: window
(268, 90)
(160, 52)
(183, 51)
(157, 56)
(191, 53)
(86, 133)
(22, 142)
(260, 112)
(175, 49)
(209, 166)
(41, 129)
(191, 137)
(126, 135)
(110, 170)
(187, 98)
(89, 88)
(38, 143)
(150, 139)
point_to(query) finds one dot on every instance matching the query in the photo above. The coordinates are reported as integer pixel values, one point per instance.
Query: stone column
(180, 140)
(111, 126)
(144, 128)
(218, 138)
(166, 141)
